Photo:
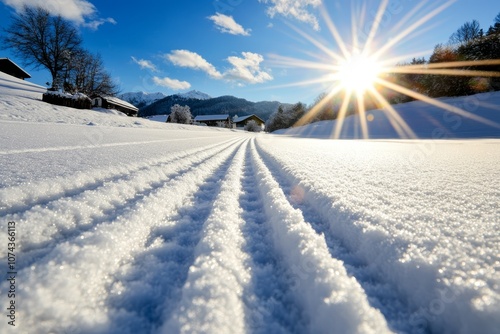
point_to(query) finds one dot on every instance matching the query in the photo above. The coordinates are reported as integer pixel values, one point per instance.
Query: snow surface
(125, 225)
(475, 116)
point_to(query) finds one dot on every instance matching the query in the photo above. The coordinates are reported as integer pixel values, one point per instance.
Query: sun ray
(411, 28)
(438, 103)
(288, 61)
(316, 43)
(335, 33)
(465, 73)
(314, 111)
(375, 26)
(362, 115)
(453, 64)
(342, 114)
(396, 120)
(421, 4)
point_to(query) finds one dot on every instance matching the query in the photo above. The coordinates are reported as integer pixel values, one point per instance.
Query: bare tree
(86, 74)
(42, 41)
(466, 33)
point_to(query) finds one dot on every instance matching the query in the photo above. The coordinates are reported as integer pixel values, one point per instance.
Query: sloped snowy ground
(125, 227)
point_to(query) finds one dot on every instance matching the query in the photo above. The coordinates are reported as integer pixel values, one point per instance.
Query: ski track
(223, 238)
(381, 293)
(101, 252)
(68, 217)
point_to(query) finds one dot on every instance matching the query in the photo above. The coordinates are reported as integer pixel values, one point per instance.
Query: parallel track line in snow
(269, 294)
(218, 258)
(68, 218)
(381, 253)
(161, 270)
(382, 294)
(331, 299)
(91, 262)
(21, 198)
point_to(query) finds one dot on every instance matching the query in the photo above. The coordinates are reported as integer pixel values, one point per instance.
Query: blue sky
(230, 47)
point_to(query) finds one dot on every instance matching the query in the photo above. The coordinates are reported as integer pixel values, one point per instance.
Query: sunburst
(357, 70)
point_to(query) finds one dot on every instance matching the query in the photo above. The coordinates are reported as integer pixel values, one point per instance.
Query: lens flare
(359, 70)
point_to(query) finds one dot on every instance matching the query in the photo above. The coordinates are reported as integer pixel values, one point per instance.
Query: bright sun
(358, 73)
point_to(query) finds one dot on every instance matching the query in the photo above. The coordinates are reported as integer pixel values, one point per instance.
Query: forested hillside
(220, 105)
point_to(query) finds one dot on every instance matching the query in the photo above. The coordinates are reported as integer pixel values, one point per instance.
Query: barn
(11, 68)
(111, 102)
(222, 121)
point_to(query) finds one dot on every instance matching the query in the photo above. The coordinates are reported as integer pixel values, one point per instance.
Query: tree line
(42, 40)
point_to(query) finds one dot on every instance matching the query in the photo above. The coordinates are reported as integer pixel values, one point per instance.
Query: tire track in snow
(331, 299)
(77, 276)
(21, 198)
(381, 294)
(68, 218)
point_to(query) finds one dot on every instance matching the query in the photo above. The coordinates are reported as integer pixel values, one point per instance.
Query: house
(11, 68)
(240, 122)
(111, 102)
(222, 121)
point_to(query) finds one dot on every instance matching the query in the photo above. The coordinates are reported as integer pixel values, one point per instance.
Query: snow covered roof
(202, 118)
(244, 118)
(11, 68)
(119, 102)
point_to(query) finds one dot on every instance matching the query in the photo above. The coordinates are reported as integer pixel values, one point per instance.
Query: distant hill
(219, 105)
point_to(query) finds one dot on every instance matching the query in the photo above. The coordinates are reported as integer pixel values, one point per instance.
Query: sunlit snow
(126, 225)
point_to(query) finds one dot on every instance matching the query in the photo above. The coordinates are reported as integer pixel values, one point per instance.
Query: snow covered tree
(180, 114)
(42, 41)
(282, 119)
(252, 126)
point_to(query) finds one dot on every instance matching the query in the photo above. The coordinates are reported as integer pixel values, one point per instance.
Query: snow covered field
(125, 225)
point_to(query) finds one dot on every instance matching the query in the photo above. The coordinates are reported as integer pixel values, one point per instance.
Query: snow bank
(476, 116)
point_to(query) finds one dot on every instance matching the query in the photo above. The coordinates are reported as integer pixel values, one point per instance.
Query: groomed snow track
(237, 234)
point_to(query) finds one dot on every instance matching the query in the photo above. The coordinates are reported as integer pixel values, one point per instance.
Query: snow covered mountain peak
(195, 94)
(142, 99)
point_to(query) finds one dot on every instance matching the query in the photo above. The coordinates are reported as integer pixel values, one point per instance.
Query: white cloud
(171, 83)
(185, 58)
(247, 69)
(244, 70)
(145, 64)
(228, 25)
(297, 9)
(94, 25)
(72, 10)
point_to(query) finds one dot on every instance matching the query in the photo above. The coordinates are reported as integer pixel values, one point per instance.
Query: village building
(11, 68)
(222, 121)
(111, 102)
(240, 122)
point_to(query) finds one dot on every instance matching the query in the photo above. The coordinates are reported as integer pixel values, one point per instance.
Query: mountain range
(150, 104)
